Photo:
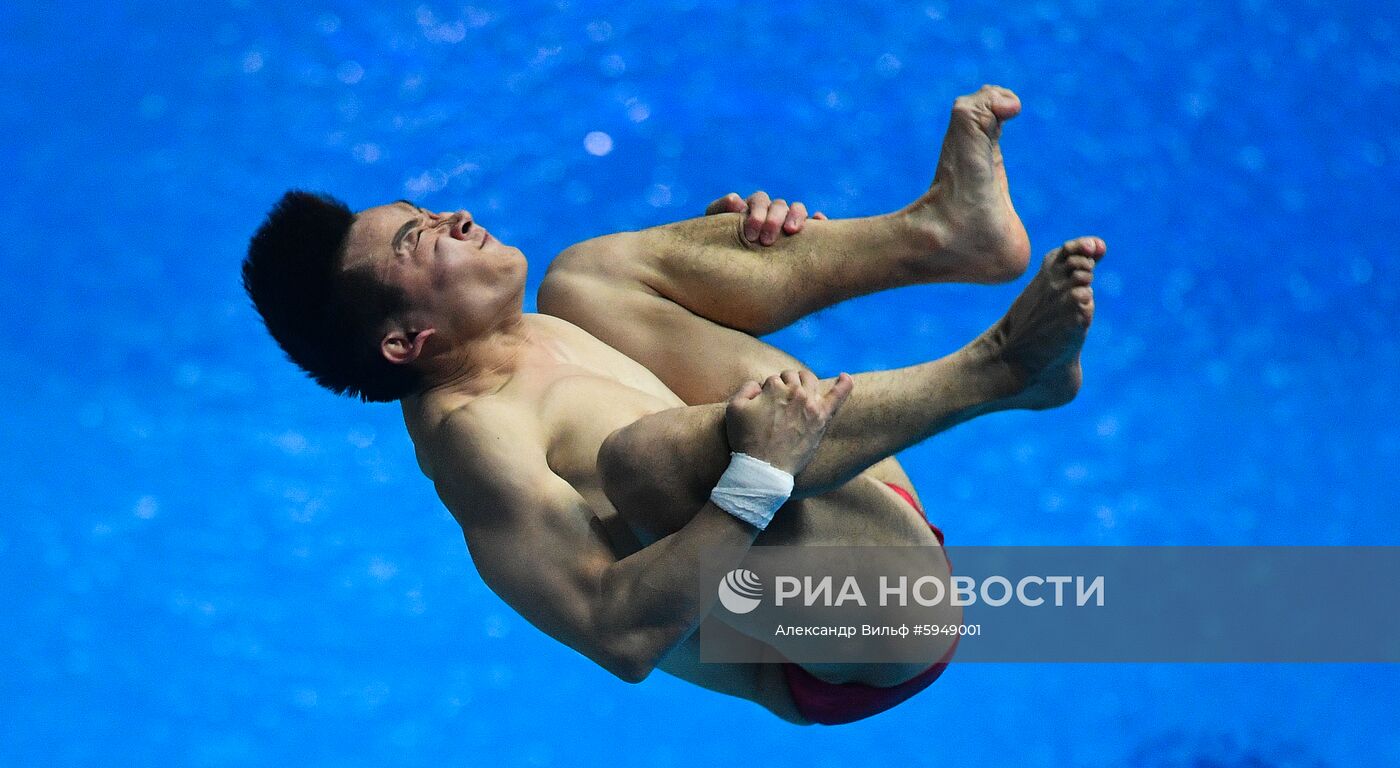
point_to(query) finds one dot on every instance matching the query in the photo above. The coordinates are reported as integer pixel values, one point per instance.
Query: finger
(840, 390)
(792, 379)
(809, 380)
(753, 223)
(718, 205)
(757, 205)
(759, 198)
(747, 391)
(730, 203)
(772, 383)
(797, 216)
(773, 224)
(819, 216)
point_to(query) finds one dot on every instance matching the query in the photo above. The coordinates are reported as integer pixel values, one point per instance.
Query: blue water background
(207, 561)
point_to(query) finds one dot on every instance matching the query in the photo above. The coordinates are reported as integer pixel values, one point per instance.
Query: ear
(401, 347)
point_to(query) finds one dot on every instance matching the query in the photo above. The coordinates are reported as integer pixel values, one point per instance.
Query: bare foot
(1039, 339)
(966, 215)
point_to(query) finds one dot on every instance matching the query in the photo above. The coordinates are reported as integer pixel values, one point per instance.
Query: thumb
(730, 203)
(746, 392)
(839, 391)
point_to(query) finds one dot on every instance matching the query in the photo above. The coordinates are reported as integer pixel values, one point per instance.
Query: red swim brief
(837, 703)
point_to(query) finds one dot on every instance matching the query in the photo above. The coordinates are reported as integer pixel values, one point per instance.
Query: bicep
(544, 554)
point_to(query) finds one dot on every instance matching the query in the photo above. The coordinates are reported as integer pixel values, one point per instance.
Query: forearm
(654, 599)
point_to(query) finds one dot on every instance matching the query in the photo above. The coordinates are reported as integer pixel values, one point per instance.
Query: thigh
(760, 682)
(698, 359)
(658, 471)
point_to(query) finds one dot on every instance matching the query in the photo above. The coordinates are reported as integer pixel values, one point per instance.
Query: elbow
(634, 672)
(633, 655)
(630, 667)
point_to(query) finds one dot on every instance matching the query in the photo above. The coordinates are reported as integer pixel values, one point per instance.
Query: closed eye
(417, 238)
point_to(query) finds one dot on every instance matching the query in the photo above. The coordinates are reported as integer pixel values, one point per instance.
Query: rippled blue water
(208, 561)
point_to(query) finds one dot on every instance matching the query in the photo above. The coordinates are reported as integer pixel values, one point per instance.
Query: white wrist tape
(751, 489)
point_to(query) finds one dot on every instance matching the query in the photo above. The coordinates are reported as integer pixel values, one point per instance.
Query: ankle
(995, 375)
(921, 232)
(965, 242)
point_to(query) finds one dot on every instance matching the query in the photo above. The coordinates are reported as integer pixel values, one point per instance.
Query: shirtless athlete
(578, 448)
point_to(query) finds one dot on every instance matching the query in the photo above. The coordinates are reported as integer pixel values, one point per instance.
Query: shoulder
(484, 454)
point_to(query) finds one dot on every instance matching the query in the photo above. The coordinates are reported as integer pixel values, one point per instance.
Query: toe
(1077, 262)
(1092, 247)
(1003, 101)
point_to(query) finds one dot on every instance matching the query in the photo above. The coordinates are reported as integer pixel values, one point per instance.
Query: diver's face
(448, 266)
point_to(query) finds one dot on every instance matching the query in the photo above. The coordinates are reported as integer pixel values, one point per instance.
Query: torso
(570, 394)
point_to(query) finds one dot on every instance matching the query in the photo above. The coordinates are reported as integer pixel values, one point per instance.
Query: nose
(461, 224)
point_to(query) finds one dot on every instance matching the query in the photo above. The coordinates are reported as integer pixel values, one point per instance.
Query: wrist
(751, 489)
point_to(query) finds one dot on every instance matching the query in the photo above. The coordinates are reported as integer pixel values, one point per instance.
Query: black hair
(325, 317)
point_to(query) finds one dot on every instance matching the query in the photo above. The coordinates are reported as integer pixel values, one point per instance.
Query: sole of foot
(1037, 342)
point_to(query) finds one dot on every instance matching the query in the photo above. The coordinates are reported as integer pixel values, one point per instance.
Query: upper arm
(536, 544)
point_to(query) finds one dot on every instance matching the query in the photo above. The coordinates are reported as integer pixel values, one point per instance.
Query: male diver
(612, 457)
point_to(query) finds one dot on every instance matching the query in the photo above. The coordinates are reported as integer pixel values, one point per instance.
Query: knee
(620, 465)
(560, 292)
(607, 256)
(636, 465)
(662, 460)
(575, 278)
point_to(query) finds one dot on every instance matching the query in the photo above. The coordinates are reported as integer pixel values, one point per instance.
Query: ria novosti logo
(740, 590)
